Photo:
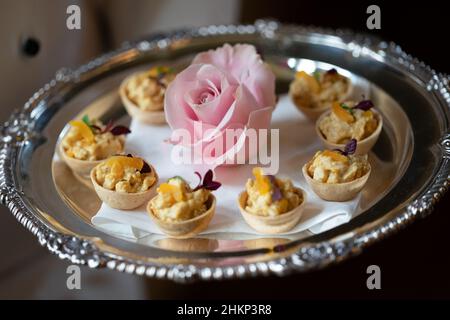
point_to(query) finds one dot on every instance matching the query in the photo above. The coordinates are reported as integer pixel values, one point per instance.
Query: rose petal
(212, 112)
(177, 110)
(246, 67)
(261, 83)
(233, 59)
(238, 113)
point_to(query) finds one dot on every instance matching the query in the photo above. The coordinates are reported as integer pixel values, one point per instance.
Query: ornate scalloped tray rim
(21, 127)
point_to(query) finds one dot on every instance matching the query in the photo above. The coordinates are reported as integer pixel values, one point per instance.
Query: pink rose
(227, 88)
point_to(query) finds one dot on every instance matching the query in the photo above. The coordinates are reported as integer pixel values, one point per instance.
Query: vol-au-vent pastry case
(99, 183)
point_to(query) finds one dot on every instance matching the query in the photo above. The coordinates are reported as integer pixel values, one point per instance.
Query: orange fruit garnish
(262, 183)
(341, 113)
(124, 161)
(83, 129)
(119, 163)
(171, 189)
(117, 169)
(310, 80)
(335, 156)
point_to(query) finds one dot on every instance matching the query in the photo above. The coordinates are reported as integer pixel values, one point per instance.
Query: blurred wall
(45, 22)
(133, 19)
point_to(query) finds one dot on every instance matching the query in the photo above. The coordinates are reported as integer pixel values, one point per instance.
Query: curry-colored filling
(147, 89)
(320, 90)
(176, 201)
(83, 144)
(345, 123)
(261, 200)
(333, 167)
(123, 174)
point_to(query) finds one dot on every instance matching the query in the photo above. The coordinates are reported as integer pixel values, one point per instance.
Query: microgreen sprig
(161, 72)
(332, 71)
(347, 108)
(110, 127)
(316, 75)
(349, 148)
(364, 105)
(207, 181)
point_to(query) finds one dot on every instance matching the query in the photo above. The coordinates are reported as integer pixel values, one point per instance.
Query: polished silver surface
(414, 148)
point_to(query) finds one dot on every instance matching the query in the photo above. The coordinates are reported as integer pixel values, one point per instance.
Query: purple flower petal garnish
(108, 126)
(199, 176)
(350, 147)
(199, 185)
(97, 128)
(208, 176)
(119, 130)
(207, 182)
(213, 185)
(364, 105)
(276, 192)
(146, 168)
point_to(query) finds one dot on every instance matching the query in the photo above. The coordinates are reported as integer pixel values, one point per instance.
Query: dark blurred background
(35, 43)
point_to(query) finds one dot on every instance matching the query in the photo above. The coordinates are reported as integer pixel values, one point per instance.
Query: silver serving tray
(414, 152)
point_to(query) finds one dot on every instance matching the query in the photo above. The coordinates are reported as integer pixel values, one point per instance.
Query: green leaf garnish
(316, 75)
(347, 108)
(163, 70)
(86, 120)
(177, 177)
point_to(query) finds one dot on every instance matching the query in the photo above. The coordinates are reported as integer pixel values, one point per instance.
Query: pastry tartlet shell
(363, 147)
(314, 113)
(122, 200)
(187, 228)
(82, 168)
(148, 117)
(272, 225)
(336, 191)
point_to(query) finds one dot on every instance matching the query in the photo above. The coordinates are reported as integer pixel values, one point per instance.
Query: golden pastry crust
(260, 199)
(147, 89)
(101, 146)
(318, 91)
(340, 125)
(332, 167)
(177, 202)
(119, 177)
